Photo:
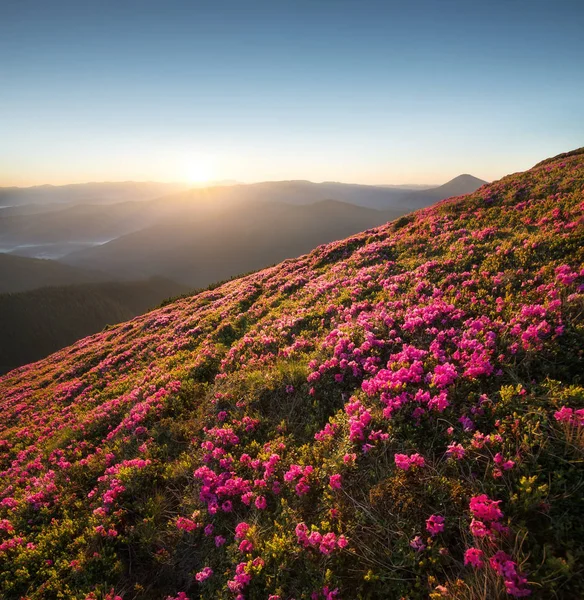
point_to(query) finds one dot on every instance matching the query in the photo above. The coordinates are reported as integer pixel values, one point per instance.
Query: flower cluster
(325, 543)
(570, 416)
(405, 462)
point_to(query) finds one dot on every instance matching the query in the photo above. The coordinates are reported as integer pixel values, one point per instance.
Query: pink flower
(241, 530)
(435, 524)
(479, 529)
(204, 574)
(504, 464)
(513, 587)
(6, 525)
(245, 546)
(302, 487)
(417, 460)
(314, 538)
(328, 543)
(564, 415)
(302, 533)
(402, 461)
(405, 462)
(219, 541)
(444, 375)
(473, 556)
(455, 451)
(349, 458)
(261, 502)
(335, 482)
(417, 544)
(482, 507)
(568, 416)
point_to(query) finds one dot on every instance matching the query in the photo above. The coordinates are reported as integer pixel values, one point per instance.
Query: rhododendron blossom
(405, 462)
(204, 574)
(482, 507)
(335, 482)
(435, 524)
(474, 556)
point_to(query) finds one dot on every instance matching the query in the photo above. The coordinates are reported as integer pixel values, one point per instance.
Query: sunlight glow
(198, 170)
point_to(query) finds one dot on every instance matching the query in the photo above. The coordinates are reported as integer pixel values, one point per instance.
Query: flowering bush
(397, 414)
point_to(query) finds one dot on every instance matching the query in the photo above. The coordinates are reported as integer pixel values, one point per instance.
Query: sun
(199, 171)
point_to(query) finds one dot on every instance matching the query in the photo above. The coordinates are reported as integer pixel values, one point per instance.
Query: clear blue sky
(349, 90)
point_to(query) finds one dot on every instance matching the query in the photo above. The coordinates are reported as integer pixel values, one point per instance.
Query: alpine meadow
(399, 414)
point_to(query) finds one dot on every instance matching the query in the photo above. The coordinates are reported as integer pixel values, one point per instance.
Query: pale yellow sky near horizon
(194, 165)
(198, 172)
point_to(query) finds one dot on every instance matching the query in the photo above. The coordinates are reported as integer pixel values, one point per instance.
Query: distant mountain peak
(458, 186)
(465, 178)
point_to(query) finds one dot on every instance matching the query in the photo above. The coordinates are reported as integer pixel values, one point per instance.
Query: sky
(361, 91)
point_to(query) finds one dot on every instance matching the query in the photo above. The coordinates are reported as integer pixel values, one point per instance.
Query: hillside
(38, 322)
(18, 274)
(395, 415)
(83, 222)
(207, 242)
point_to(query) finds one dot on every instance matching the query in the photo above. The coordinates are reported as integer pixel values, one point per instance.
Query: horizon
(367, 92)
(227, 183)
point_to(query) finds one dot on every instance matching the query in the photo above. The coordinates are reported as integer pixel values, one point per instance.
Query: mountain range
(86, 193)
(88, 234)
(18, 274)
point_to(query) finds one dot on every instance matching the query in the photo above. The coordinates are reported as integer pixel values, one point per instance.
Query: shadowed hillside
(18, 274)
(395, 415)
(209, 242)
(39, 322)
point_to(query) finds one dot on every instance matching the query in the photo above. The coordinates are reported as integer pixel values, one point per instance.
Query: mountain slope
(83, 222)
(38, 322)
(18, 274)
(208, 242)
(394, 415)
